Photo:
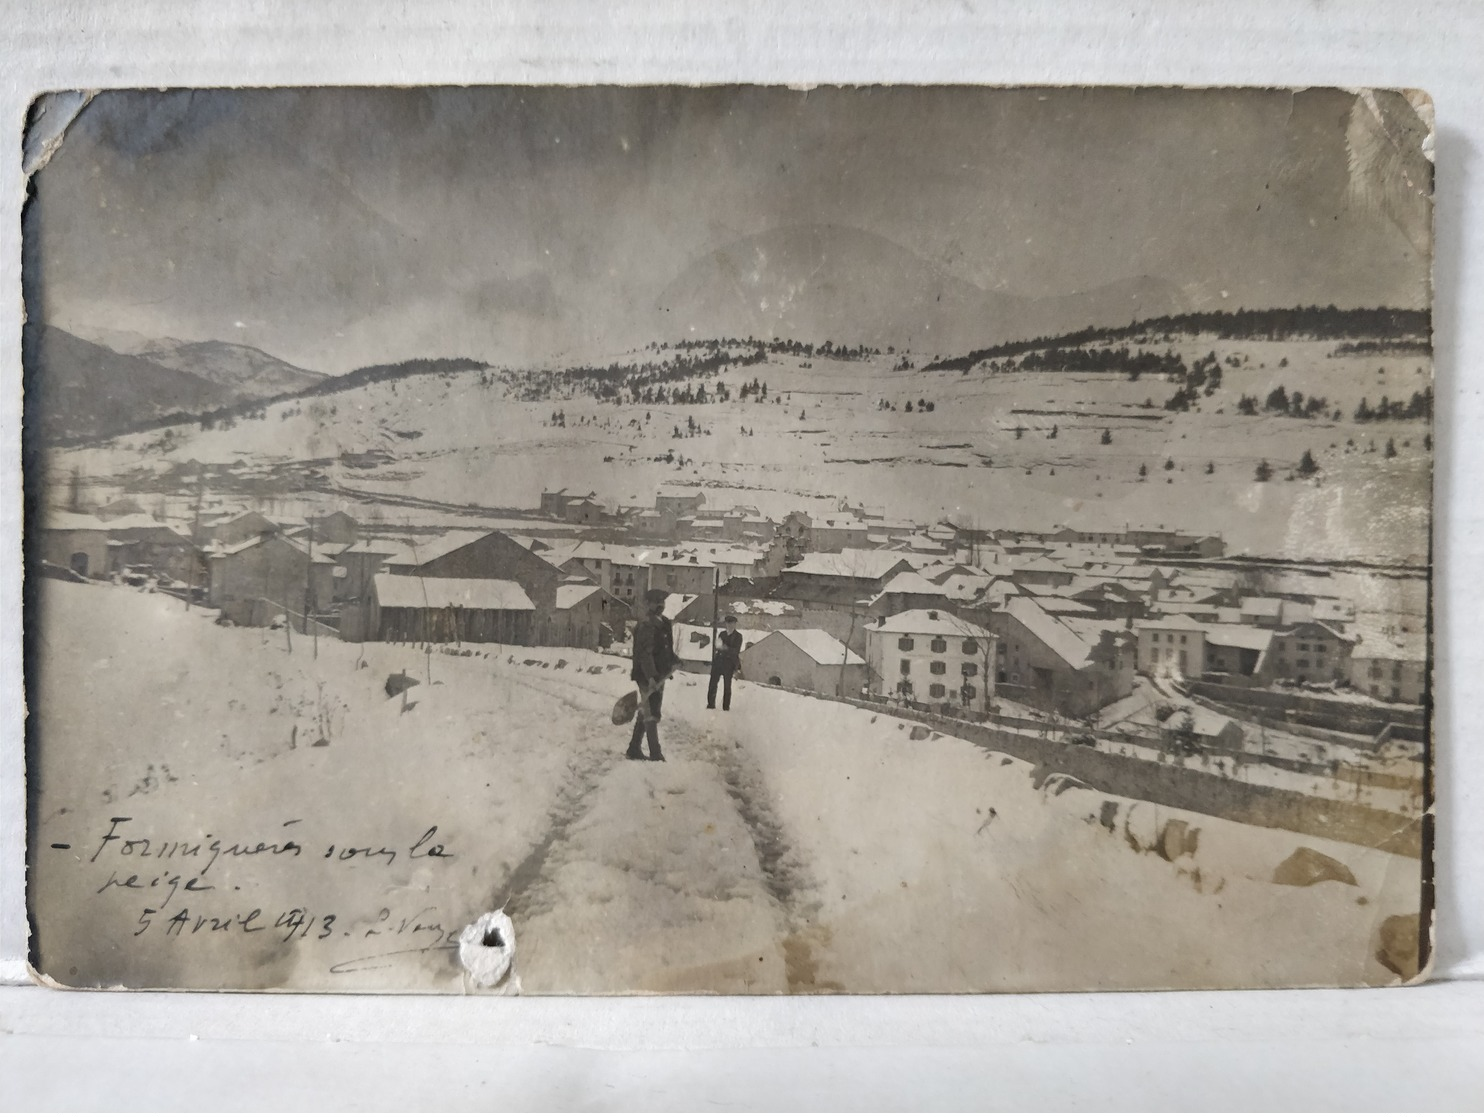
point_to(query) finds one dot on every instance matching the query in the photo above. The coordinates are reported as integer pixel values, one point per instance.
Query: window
(969, 693)
(939, 644)
(1303, 647)
(1396, 670)
(1303, 663)
(1320, 648)
(1376, 671)
(971, 647)
(938, 667)
(937, 690)
(906, 644)
(1001, 650)
(1182, 639)
(906, 667)
(970, 670)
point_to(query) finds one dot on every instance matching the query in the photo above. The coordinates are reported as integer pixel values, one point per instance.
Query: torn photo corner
(727, 539)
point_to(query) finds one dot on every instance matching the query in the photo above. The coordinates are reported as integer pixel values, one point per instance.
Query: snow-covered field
(458, 439)
(789, 845)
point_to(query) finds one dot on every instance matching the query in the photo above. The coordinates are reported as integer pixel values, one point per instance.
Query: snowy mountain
(78, 388)
(818, 282)
(247, 372)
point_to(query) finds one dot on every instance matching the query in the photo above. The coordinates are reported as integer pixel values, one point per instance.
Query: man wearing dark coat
(654, 661)
(726, 660)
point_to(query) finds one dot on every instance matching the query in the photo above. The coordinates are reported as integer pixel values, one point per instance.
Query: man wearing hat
(726, 661)
(654, 661)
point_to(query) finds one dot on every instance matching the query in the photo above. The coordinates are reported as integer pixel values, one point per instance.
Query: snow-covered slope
(791, 844)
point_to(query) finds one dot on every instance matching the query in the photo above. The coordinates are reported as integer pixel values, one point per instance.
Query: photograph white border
(1409, 1048)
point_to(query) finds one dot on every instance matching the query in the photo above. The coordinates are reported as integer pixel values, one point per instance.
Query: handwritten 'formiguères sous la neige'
(118, 842)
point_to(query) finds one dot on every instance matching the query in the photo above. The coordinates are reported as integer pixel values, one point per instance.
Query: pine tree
(1107, 436)
(1264, 471)
(1307, 466)
(1390, 448)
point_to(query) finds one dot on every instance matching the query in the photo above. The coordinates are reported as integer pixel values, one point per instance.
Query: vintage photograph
(731, 539)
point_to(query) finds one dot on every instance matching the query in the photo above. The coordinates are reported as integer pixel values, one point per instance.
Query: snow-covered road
(791, 844)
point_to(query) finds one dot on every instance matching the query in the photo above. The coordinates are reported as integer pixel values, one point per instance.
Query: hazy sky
(336, 228)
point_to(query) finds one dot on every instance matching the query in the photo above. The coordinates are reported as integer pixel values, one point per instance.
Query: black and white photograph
(735, 539)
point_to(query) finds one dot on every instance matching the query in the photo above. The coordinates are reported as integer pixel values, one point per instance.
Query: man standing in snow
(726, 659)
(654, 661)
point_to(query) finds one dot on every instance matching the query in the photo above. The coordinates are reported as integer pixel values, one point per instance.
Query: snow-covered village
(1089, 652)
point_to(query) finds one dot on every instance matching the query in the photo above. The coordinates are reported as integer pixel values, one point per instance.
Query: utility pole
(309, 590)
(196, 534)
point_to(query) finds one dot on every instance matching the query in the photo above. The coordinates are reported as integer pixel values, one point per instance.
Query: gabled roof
(1239, 636)
(1060, 640)
(405, 591)
(909, 581)
(569, 595)
(849, 563)
(1178, 621)
(1262, 606)
(1376, 640)
(929, 622)
(422, 551)
(818, 645)
(72, 521)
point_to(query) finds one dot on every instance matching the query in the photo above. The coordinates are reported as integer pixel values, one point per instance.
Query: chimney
(932, 614)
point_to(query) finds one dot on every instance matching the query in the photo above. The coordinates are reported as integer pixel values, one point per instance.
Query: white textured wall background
(1390, 1049)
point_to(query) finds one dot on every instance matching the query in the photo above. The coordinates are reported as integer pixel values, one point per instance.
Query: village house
(844, 582)
(1236, 650)
(1195, 729)
(1389, 661)
(557, 504)
(266, 576)
(932, 656)
(679, 504)
(805, 659)
(230, 529)
(445, 611)
(906, 591)
(1171, 647)
(833, 533)
(1310, 652)
(76, 542)
(682, 573)
(140, 541)
(1041, 572)
(622, 570)
(1045, 663)
(334, 527)
(363, 560)
(498, 556)
(587, 616)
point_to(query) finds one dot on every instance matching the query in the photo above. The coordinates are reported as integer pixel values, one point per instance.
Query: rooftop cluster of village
(849, 603)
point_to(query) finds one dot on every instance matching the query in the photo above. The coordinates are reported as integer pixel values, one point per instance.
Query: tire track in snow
(780, 875)
(783, 875)
(567, 807)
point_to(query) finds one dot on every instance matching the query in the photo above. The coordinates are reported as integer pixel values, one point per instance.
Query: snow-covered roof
(760, 607)
(1204, 722)
(909, 581)
(676, 602)
(929, 622)
(1262, 606)
(73, 521)
(849, 563)
(405, 591)
(1177, 621)
(1238, 636)
(1057, 637)
(568, 596)
(435, 548)
(818, 645)
(1380, 640)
